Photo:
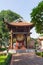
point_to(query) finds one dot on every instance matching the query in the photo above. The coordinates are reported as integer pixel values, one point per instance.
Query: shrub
(2, 49)
(7, 61)
(2, 59)
(39, 53)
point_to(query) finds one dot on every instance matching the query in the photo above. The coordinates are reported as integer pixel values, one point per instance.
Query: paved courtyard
(26, 59)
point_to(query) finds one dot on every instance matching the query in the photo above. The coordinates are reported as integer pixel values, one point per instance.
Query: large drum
(19, 37)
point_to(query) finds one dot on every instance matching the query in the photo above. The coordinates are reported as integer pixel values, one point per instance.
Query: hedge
(7, 60)
(2, 49)
(39, 54)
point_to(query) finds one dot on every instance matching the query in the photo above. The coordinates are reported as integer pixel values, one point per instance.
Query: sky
(23, 8)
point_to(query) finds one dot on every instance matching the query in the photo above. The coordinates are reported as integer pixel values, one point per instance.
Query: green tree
(37, 17)
(10, 16)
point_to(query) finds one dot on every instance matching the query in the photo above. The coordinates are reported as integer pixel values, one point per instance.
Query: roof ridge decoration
(19, 20)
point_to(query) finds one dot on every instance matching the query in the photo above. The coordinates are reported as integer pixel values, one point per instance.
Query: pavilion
(20, 30)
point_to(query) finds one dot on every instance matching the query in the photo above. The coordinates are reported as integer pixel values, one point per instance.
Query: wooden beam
(21, 33)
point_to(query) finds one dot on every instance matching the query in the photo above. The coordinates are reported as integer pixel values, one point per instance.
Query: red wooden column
(11, 44)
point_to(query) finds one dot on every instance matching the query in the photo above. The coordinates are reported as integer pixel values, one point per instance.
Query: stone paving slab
(26, 59)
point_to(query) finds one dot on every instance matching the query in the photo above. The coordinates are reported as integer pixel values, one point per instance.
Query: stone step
(22, 51)
(25, 51)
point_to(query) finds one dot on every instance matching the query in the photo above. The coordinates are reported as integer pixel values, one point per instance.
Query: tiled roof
(21, 24)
